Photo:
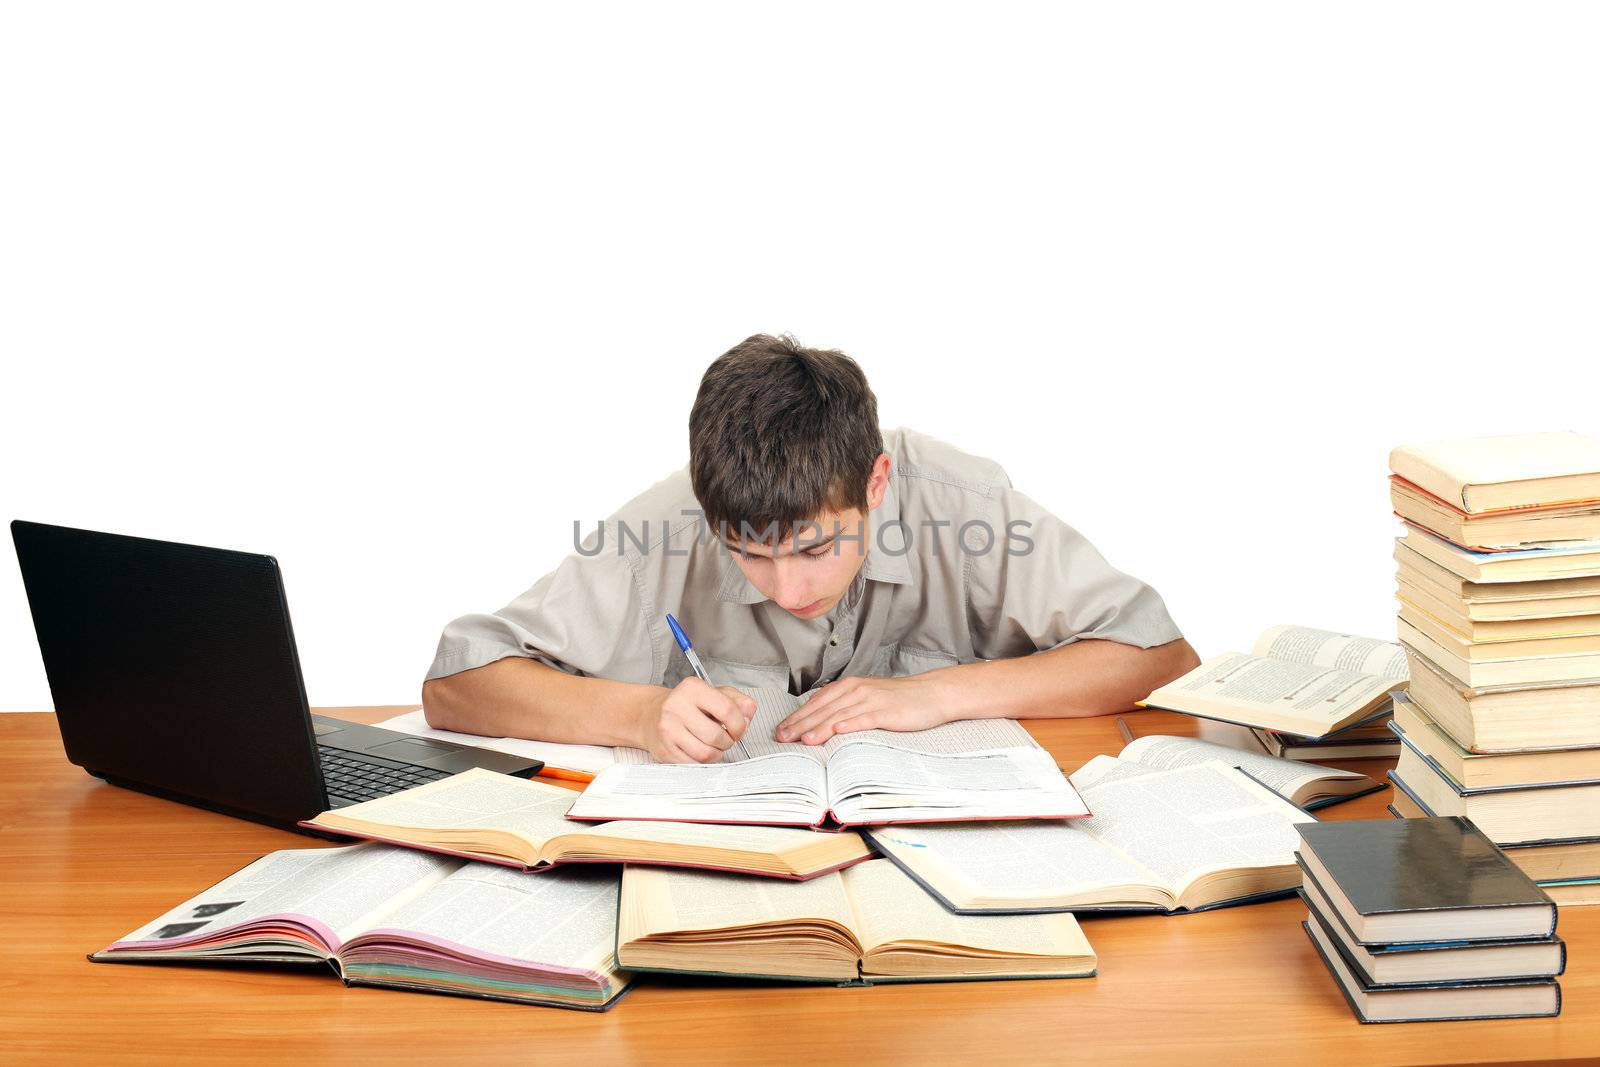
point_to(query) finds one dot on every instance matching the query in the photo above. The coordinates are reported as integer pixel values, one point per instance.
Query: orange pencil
(564, 775)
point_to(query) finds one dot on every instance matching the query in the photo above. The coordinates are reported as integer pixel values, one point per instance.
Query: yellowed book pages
(1497, 529)
(1505, 566)
(1481, 674)
(1417, 601)
(1422, 571)
(1478, 649)
(1520, 470)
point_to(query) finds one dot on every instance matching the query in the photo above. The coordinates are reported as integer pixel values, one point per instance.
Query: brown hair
(780, 433)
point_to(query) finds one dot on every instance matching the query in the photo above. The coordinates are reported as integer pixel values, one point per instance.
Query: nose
(788, 588)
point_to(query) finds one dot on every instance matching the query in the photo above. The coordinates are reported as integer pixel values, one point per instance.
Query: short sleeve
(1044, 585)
(585, 618)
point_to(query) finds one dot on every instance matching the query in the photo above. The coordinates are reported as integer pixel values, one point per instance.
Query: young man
(903, 580)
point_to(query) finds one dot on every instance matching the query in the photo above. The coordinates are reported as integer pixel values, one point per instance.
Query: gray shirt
(960, 567)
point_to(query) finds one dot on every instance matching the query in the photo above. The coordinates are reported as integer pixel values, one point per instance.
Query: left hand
(916, 702)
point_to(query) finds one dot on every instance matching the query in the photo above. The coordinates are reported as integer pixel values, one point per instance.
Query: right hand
(697, 722)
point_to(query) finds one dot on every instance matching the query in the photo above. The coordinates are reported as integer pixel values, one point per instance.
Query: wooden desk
(82, 863)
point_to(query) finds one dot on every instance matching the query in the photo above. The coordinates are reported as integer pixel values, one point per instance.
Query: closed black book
(1433, 962)
(1393, 881)
(1510, 999)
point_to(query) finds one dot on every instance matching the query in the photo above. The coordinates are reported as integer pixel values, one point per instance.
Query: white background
(397, 291)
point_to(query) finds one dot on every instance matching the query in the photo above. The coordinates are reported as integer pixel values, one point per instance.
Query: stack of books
(1366, 740)
(1423, 920)
(1499, 591)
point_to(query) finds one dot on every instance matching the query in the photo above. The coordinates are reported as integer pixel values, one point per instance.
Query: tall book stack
(1499, 591)
(1426, 920)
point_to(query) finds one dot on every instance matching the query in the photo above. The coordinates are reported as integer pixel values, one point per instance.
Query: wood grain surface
(82, 863)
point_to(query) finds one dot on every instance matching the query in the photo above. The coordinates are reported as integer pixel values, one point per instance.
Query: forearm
(517, 697)
(1084, 678)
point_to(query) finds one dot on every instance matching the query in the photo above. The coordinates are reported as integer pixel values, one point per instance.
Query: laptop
(174, 672)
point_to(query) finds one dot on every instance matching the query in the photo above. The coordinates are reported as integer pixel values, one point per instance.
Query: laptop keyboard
(356, 776)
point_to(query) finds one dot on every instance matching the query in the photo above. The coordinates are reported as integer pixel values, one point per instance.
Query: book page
(950, 739)
(677, 900)
(1323, 648)
(969, 735)
(472, 800)
(775, 705)
(1181, 823)
(890, 907)
(339, 889)
(564, 920)
(772, 840)
(787, 785)
(1020, 861)
(869, 776)
(1251, 684)
(1282, 776)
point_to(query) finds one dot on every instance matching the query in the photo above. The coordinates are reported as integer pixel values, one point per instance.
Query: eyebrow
(824, 543)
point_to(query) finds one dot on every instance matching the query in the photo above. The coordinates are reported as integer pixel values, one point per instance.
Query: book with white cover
(967, 770)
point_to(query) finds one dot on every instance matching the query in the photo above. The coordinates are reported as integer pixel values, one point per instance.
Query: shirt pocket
(731, 672)
(896, 661)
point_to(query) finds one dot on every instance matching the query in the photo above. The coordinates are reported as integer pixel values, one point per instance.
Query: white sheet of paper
(568, 757)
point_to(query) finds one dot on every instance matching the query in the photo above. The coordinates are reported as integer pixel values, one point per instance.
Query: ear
(878, 481)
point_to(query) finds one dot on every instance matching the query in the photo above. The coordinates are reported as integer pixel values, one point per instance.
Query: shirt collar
(889, 566)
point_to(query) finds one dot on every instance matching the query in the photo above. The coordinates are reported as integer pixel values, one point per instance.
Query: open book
(866, 925)
(406, 919)
(1297, 680)
(1305, 784)
(496, 818)
(969, 770)
(1180, 840)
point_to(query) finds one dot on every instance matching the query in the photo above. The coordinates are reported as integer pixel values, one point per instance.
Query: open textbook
(1306, 784)
(1187, 839)
(973, 769)
(410, 920)
(1297, 680)
(866, 925)
(496, 818)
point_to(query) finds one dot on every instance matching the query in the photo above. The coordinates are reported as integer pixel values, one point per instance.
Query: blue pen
(688, 649)
(694, 662)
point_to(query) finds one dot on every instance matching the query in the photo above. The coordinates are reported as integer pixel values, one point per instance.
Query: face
(809, 571)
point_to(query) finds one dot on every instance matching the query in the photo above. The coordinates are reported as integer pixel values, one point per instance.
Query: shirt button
(834, 640)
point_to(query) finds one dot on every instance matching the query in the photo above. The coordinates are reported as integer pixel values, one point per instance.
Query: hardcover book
(404, 919)
(1395, 881)
(1504, 999)
(1296, 680)
(495, 818)
(1186, 839)
(865, 925)
(1507, 814)
(1426, 962)
(978, 769)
